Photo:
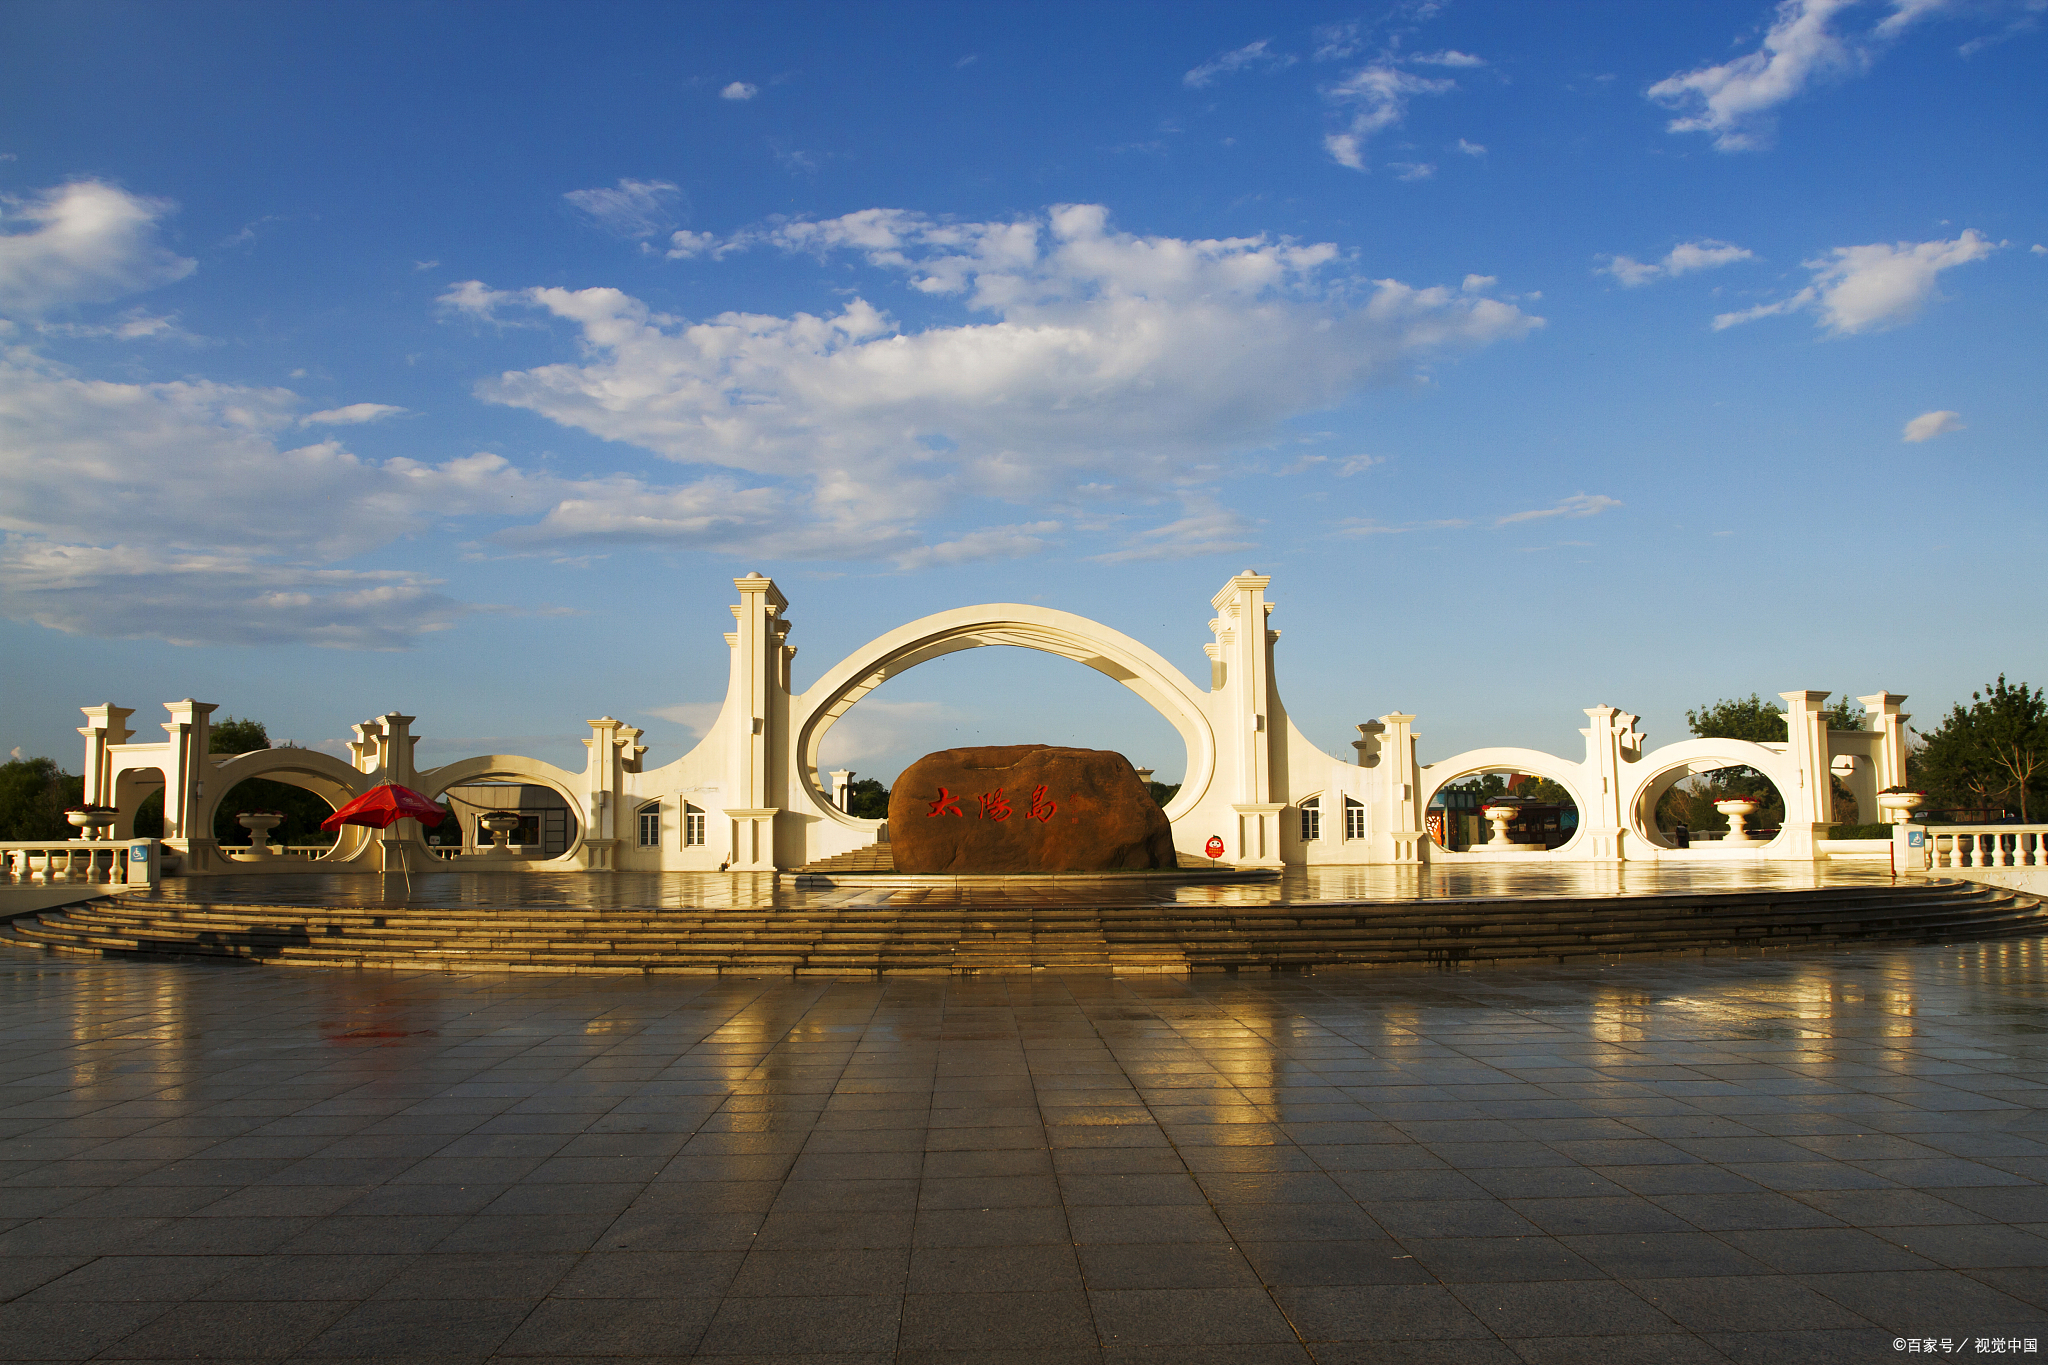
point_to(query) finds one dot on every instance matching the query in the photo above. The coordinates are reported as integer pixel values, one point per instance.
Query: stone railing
(1987, 845)
(48, 860)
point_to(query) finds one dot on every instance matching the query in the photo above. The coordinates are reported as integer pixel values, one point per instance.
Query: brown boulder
(1025, 808)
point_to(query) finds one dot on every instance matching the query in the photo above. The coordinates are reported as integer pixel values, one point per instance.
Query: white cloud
(84, 242)
(1735, 100)
(1929, 425)
(636, 209)
(1250, 55)
(684, 244)
(136, 324)
(1683, 259)
(116, 521)
(991, 542)
(696, 716)
(125, 592)
(1577, 505)
(1209, 528)
(1448, 57)
(739, 90)
(1358, 464)
(2038, 250)
(1871, 288)
(1377, 96)
(1413, 170)
(878, 728)
(353, 415)
(1471, 148)
(1083, 353)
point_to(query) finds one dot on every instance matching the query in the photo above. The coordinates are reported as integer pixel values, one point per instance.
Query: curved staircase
(896, 933)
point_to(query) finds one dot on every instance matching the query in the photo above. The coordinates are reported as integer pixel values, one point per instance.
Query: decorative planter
(92, 821)
(500, 823)
(259, 823)
(1738, 809)
(1899, 806)
(1500, 817)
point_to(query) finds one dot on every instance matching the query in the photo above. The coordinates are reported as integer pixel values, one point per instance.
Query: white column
(105, 725)
(1809, 806)
(1881, 713)
(186, 768)
(1611, 740)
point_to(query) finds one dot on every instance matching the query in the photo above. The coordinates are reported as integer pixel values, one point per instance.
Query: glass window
(693, 826)
(1354, 819)
(650, 825)
(1312, 819)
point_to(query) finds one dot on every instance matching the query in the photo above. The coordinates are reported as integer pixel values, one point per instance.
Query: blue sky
(453, 358)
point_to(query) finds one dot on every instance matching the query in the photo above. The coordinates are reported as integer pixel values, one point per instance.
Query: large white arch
(1109, 652)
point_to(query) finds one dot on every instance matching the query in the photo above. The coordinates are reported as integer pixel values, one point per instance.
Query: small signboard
(145, 862)
(1214, 848)
(1916, 838)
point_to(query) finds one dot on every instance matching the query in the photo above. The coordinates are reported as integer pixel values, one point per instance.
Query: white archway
(1437, 776)
(1109, 652)
(1665, 768)
(327, 777)
(435, 783)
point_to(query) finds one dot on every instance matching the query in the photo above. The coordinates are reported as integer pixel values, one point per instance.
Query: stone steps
(875, 857)
(868, 937)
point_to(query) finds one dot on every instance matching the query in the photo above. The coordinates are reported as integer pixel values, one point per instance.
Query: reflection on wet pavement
(1790, 1159)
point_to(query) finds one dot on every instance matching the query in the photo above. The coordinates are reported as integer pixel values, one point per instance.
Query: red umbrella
(380, 807)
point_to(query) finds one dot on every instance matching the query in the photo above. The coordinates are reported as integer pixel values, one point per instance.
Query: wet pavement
(709, 890)
(1803, 1159)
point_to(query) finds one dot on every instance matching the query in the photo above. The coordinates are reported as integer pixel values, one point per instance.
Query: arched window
(1312, 819)
(693, 826)
(1354, 818)
(650, 825)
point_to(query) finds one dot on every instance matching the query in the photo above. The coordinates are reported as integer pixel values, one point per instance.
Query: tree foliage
(867, 799)
(1993, 752)
(33, 795)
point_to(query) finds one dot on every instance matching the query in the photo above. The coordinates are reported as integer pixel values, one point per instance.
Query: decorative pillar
(1240, 668)
(1401, 778)
(1881, 713)
(105, 726)
(1611, 740)
(614, 750)
(187, 765)
(1809, 806)
(842, 784)
(756, 716)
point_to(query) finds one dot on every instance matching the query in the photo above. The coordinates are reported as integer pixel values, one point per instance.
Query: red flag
(380, 806)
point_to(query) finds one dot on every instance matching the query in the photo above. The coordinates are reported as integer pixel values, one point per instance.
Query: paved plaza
(1833, 1156)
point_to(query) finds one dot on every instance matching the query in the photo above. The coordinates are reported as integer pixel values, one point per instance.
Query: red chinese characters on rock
(1077, 810)
(993, 805)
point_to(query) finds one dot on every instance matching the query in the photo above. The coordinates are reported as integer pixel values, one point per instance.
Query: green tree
(867, 799)
(1991, 753)
(33, 795)
(1163, 792)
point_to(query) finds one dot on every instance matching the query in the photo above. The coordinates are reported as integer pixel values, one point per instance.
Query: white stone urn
(1500, 817)
(1899, 806)
(91, 821)
(1738, 809)
(501, 823)
(259, 823)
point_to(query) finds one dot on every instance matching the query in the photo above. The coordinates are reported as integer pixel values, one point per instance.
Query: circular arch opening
(549, 826)
(1547, 809)
(1678, 806)
(301, 801)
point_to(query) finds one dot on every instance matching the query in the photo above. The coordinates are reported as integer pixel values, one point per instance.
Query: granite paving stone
(1792, 1158)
